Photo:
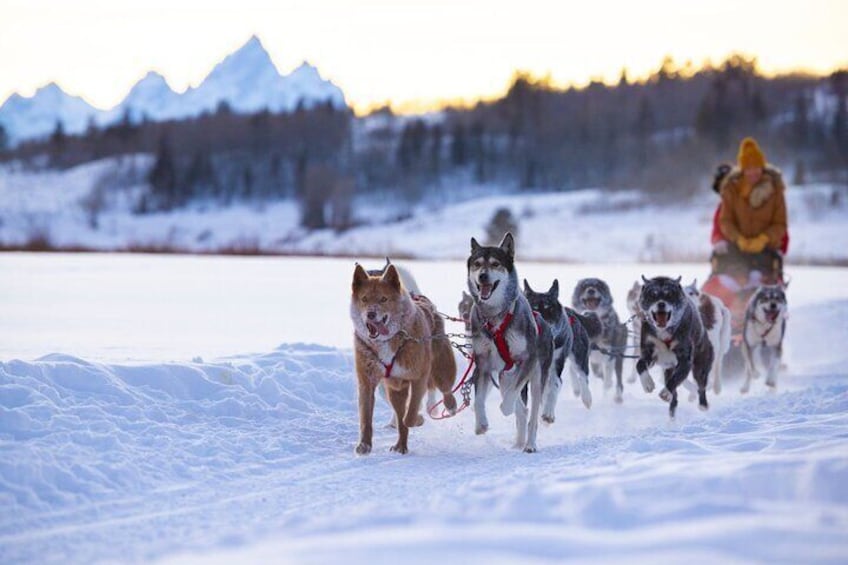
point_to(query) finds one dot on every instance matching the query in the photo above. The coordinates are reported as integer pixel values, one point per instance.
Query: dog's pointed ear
(388, 262)
(554, 291)
(474, 245)
(392, 276)
(636, 285)
(644, 279)
(465, 295)
(527, 287)
(508, 245)
(695, 283)
(359, 277)
(678, 279)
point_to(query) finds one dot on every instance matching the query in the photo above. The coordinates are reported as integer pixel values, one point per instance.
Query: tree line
(664, 134)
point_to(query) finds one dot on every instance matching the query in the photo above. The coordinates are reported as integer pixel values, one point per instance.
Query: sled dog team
(521, 339)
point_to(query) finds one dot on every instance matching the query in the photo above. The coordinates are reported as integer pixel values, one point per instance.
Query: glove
(752, 244)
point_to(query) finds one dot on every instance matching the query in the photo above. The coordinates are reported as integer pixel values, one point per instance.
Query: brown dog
(396, 342)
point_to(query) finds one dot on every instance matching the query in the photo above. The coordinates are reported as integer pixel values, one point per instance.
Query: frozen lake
(119, 308)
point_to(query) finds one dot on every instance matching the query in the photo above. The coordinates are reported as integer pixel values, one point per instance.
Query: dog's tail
(589, 320)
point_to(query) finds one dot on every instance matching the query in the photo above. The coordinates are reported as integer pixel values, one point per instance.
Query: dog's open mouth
(771, 315)
(591, 302)
(377, 328)
(486, 289)
(661, 317)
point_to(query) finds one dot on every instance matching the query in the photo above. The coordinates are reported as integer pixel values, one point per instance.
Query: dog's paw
(586, 396)
(703, 407)
(632, 378)
(481, 429)
(450, 403)
(399, 448)
(619, 398)
(530, 448)
(717, 388)
(744, 389)
(665, 395)
(414, 421)
(647, 383)
(771, 384)
(507, 407)
(363, 448)
(548, 419)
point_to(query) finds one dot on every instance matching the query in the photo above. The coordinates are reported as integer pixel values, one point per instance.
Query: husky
(571, 341)
(762, 334)
(512, 346)
(399, 341)
(716, 319)
(636, 316)
(594, 295)
(673, 337)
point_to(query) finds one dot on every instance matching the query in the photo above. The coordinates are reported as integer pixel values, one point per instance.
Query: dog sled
(734, 278)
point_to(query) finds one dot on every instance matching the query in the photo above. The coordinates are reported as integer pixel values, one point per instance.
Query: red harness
(499, 336)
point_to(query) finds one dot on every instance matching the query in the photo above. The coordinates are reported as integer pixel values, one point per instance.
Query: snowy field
(582, 226)
(202, 410)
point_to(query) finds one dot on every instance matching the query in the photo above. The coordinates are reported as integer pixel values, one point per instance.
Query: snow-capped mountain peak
(247, 80)
(36, 116)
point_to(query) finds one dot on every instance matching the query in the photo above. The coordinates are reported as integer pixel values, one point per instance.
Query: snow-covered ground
(582, 226)
(246, 456)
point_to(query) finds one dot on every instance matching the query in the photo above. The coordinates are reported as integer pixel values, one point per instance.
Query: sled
(734, 277)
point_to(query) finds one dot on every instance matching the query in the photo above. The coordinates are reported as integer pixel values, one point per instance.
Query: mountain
(37, 115)
(151, 97)
(247, 80)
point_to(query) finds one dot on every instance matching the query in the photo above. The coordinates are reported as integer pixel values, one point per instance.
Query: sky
(405, 52)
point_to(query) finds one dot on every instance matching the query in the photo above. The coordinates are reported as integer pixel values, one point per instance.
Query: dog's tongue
(661, 318)
(771, 315)
(486, 291)
(376, 328)
(593, 302)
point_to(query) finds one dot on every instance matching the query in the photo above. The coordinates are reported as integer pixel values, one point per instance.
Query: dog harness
(498, 335)
(386, 366)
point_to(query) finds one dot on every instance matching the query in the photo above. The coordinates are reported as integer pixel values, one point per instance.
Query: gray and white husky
(511, 346)
(571, 341)
(716, 319)
(636, 327)
(673, 337)
(762, 334)
(593, 295)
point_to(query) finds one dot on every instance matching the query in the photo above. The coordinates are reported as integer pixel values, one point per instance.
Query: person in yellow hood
(753, 207)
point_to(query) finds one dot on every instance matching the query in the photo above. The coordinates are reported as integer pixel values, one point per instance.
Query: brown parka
(763, 211)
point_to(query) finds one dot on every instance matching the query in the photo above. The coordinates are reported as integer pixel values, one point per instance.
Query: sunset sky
(399, 51)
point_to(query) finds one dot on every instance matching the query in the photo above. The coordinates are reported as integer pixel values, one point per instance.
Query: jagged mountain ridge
(247, 80)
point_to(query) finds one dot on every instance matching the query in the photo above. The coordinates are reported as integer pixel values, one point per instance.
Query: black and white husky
(511, 346)
(762, 334)
(716, 319)
(673, 337)
(571, 341)
(593, 295)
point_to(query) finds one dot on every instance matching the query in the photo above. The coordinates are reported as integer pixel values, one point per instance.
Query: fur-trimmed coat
(763, 211)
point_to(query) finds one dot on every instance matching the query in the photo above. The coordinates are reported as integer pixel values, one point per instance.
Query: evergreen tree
(163, 177)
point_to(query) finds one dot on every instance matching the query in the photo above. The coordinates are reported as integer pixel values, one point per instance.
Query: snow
(589, 225)
(247, 80)
(37, 115)
(219, 451)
